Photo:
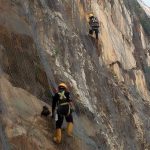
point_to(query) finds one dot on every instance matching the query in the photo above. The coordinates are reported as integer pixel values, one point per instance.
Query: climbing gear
(68, 110)
(63, 104)
(63, 85)
(62, 95)
(63, 101)
(62, 98)
(69, 128)
(94, 26)
(56, 116)
(57, 136)
(94, 23)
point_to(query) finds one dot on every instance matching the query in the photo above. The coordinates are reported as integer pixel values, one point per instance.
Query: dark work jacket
(93, 22)
(56, 99)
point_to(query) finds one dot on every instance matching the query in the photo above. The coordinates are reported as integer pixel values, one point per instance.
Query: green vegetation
(146, 25)
(137, 10)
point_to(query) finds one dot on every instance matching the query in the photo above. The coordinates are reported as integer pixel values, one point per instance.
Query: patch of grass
(146, 25)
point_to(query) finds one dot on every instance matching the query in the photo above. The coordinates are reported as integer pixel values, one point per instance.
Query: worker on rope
(94, 25)
(63, 103)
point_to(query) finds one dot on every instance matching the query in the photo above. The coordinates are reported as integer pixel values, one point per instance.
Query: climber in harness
(94, 25)
(63, 103)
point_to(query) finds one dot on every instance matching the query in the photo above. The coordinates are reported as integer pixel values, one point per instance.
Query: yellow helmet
(91, 15)
(63, 85)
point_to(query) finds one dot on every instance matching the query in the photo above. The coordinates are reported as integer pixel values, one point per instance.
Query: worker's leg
(96, 33)
(69, 120)
(90, 31)
(59, 122)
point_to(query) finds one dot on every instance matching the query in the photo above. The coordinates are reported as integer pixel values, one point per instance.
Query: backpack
(45, 112)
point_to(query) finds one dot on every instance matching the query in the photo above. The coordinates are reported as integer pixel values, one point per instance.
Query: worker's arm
(90, 22)
(54, 102)
(70, 101)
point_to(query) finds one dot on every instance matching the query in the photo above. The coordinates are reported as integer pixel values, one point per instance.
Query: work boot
(70, 128)
(57, 136)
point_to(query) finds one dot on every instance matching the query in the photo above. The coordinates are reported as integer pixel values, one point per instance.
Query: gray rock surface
(46, 42)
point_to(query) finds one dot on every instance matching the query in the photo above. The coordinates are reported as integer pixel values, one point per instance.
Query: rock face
(46, 42)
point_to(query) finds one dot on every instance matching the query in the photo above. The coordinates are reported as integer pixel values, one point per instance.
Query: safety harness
(63, 100)
(94, 23)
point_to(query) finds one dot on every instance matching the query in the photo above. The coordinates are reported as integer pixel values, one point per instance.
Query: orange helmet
(91, 15)
(63, 85)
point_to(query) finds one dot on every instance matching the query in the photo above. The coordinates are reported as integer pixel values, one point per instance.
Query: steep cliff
(45, 42)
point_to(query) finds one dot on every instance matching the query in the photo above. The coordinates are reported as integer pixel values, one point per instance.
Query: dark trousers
(62, 112)
(96, 32)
